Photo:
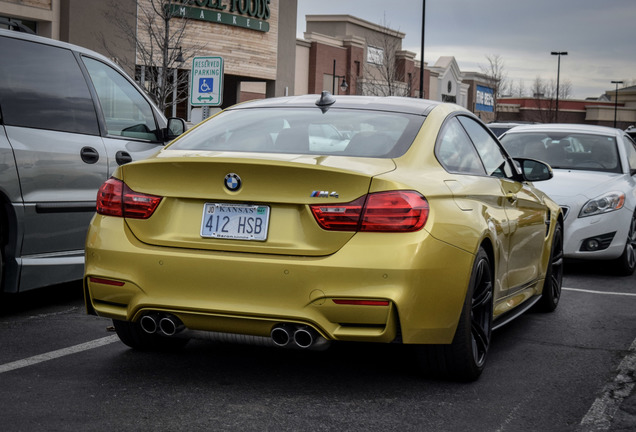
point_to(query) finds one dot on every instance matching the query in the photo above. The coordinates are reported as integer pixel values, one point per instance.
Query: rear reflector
(115, 198)
(105, 281)
(362, 302)
(393, 211)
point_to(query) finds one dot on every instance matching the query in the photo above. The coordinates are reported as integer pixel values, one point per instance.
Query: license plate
(235, 221)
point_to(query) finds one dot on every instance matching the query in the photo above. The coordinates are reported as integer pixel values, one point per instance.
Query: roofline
(357, 21)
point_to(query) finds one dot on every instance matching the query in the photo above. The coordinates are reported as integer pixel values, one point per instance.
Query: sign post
(207, 81)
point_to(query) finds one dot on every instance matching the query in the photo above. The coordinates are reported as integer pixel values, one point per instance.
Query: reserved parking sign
(207, 81)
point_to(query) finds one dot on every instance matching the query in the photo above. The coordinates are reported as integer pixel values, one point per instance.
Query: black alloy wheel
(554, 275)
(481, 312)
(465, 357)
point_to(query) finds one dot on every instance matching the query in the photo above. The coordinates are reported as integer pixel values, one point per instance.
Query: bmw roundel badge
(233, 182)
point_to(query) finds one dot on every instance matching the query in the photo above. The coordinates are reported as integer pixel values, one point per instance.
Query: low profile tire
(131, 334)
(554, 275)
(626, 263)
(464, 359)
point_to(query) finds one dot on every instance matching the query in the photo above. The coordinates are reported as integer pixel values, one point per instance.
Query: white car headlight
(605, 203)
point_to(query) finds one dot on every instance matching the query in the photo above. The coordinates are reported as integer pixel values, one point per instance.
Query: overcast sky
(599, 35)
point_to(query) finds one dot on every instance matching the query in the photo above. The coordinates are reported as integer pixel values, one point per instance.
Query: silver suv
(68, 118)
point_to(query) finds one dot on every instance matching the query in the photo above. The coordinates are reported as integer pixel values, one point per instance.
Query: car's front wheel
(464, 359)
(626, 263)
(135, 337)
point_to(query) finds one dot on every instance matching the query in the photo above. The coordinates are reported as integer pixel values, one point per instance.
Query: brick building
(602, 111)
(367, 56)
(370, 59)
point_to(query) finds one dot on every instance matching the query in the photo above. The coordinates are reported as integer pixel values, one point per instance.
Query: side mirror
(176, 126)
(534, 170)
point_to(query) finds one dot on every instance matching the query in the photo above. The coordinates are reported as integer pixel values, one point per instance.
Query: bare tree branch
(157, 36)
(384, 74)
(497, 78)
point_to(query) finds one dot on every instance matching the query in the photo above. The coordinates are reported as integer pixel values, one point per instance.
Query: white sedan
(594, 183)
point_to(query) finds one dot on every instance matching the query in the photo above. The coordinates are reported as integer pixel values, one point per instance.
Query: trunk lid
(286, 184)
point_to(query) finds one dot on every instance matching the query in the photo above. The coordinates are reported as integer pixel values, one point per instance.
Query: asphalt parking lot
(570, 370)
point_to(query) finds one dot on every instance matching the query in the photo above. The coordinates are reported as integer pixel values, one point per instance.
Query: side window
(455, 151)
(127, 113)
(489, 151)
(43, 87)
(630, 149)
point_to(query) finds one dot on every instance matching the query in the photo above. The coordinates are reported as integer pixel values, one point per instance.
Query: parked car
(498, 128)
(594, 183)
(418, 230)
(69, 117)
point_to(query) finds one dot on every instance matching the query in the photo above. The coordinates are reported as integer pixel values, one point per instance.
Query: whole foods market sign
(249, 14)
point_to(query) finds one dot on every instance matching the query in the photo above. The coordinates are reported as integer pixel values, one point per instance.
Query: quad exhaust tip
(149, 323)
(300, 336)
(281, 335)
(166, 324)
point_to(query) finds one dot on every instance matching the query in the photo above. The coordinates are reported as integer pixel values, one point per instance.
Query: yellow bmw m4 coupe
(305, 220)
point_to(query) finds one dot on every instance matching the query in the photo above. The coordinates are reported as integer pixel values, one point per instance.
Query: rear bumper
(423, 282)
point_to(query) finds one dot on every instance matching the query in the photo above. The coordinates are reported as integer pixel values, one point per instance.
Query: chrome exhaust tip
(281, 335)
(149, 323)
(170, 325)
(304, 337)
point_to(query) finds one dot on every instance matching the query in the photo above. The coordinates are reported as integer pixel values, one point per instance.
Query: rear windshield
(576, 151)
(343, 132)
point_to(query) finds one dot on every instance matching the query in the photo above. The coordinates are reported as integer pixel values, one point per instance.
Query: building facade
(368, 57)
(255, 38)
(263, 58)
(604, 111)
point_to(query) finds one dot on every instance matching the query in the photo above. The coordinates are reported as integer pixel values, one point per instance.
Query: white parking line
(58, 353)
(601, 292)
(600, 415)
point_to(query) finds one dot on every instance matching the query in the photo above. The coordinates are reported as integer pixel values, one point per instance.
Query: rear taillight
(393, 211)
(106, 281)
(115, 198)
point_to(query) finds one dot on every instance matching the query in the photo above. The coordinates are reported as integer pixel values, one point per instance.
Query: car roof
(48, 41)
(504, 124)
(565, 127)
(380, 103)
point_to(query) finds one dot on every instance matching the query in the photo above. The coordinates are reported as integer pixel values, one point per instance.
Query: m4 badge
(324, 194)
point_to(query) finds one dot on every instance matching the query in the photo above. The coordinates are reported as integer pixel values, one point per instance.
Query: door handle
(89, 155)
(122, 157)
(512, 198)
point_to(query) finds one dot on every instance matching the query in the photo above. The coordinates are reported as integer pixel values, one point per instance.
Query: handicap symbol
(203, 85)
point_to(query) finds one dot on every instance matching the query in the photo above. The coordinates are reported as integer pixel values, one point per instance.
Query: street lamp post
(558, 53)
(616, 99)
(343, 86)
(422, 50)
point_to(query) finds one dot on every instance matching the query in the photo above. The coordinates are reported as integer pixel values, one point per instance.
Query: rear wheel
(465, 357)
(554, 275)
(133, 335)
(626, 263)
